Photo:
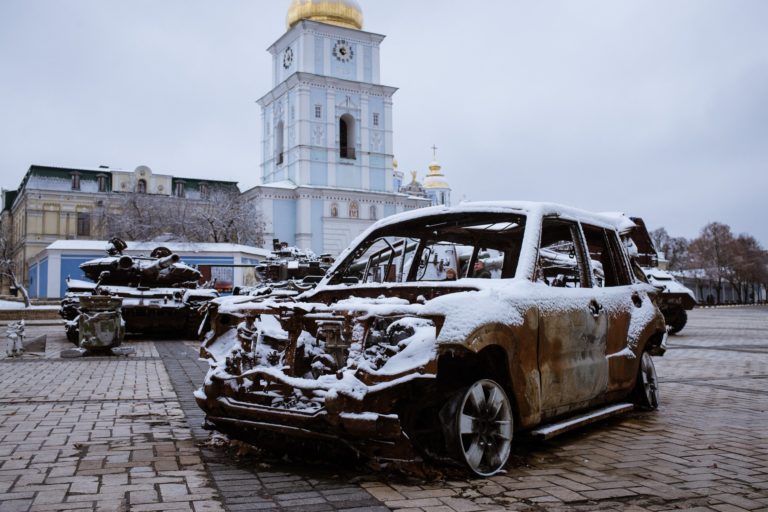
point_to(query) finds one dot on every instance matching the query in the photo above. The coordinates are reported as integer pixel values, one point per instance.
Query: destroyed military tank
(160, 295)
(674, 299)
(287, 272)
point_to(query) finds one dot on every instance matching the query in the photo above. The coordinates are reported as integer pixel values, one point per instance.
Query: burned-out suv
(443, 333)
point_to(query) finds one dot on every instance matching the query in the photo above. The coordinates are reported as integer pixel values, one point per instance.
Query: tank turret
(161, 269)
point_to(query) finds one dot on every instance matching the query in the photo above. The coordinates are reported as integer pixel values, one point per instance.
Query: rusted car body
(393, 356)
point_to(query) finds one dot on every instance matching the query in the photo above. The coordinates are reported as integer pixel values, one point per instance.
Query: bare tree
(712, 252)
(675, 249)
(226, 217)
(750, 266)
(9, 248)
(223, 217)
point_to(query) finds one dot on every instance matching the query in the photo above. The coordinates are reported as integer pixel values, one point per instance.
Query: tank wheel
(677, 320)
(647, 385)
(478, 427)
(73, 334)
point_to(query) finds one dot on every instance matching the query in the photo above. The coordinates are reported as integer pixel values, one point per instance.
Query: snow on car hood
(489, 301)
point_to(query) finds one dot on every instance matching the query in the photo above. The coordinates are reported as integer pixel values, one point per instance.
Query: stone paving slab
(69, 444)
(248, 486)
(96, 434)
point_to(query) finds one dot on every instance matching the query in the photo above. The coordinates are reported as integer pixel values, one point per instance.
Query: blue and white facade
(327, 157)
(49, 269)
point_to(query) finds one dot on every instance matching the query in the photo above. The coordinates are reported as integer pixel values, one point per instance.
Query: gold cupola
(435, 178)
(342, 13)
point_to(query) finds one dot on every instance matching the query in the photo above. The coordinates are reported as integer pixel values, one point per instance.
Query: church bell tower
(327, 122)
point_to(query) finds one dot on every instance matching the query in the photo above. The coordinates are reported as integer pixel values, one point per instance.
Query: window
(608, 264)
(75, 181)
(561, 262)
(205, 191)
(334, 210)
(279, 143)
(347, 136)
(141, 187)
(102, 183)
(318, 111)
(354, 210)
(375, 119)
(440, 248)
(373, 212)
(179, 190)
(83, 224)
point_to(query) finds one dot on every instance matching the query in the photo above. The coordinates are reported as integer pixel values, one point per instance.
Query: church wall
(367, 64)
(348, 176)
(378, 173)
(319, 55)
(284, 220)
(318, 216)
(318, 168)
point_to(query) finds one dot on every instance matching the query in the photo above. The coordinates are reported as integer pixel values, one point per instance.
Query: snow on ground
(9, 304)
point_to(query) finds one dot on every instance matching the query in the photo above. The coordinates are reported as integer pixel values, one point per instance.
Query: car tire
(647, 385)
(678, 319)
(478, 426)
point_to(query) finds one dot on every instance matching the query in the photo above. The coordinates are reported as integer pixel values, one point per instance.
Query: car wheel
(647, 387)
(478, 426)
(677, 321)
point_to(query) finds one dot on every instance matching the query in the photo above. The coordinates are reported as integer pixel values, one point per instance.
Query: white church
(327, 164)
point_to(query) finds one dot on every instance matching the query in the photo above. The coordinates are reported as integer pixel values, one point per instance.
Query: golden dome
(435, 178)
(342, 13)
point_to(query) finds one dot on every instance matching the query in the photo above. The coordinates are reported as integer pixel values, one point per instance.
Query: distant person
(479, 270)
(450, 274)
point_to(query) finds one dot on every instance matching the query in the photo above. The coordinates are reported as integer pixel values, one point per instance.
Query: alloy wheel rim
(650, 383)
(485, 427)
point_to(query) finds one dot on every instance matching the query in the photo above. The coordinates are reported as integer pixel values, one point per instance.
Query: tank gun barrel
(160, 264)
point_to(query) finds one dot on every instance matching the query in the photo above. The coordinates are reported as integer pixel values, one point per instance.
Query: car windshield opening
(434, 249)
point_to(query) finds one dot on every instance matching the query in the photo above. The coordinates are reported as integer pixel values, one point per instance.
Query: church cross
(434, 152)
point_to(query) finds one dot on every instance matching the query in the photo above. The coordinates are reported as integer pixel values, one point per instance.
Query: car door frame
(572, 338)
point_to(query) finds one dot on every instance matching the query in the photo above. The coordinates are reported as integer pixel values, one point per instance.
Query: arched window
(354, 210)
(373, 212)
(141, 187)
(347, 136)
(334, 210)
(279, 143)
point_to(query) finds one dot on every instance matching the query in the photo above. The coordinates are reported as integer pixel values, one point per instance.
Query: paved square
(124, 434)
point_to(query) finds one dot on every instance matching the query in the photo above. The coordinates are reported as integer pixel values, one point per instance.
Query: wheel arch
(496, 352)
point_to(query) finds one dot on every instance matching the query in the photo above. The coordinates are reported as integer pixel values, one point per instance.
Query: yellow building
(57, 203)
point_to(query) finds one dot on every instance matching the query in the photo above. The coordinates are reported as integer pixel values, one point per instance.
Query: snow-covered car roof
(611, 220)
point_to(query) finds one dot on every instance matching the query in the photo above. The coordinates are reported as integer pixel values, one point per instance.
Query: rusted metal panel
(390, 345)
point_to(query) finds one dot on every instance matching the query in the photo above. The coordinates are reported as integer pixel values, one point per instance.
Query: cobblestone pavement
(122, 434)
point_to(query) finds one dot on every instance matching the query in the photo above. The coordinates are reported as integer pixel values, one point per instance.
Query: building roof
(343, 13)
(51, 177)
(147, 247)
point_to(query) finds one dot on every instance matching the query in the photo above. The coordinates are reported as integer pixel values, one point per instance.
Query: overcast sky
(653, 107)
